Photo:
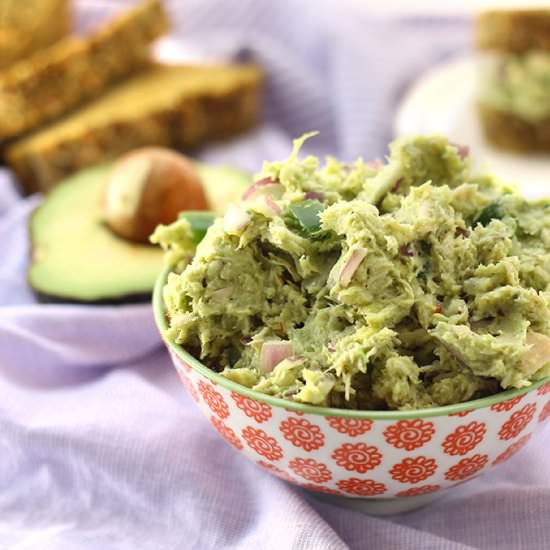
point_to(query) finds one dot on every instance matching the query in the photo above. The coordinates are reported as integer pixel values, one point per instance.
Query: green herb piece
(200, 222)
(491, 212)
(303, 218)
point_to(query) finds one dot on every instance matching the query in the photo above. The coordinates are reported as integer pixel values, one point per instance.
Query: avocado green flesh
(223, 185)
(76, 257)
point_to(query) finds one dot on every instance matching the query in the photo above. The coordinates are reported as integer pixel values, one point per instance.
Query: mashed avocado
(517, 83)
(368, 286)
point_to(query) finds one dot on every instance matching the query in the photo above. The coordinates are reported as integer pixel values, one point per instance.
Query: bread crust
(513, 31)
(510, 132)
(59, 78)
(29, 26)
(189, 120)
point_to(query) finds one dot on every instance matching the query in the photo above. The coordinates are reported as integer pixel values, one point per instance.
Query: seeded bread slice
(56, 79)
(508, 131)
(513, 31)
(168, 105)
(31, 25)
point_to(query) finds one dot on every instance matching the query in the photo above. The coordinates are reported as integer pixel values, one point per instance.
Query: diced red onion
(315, 196)
(463, 150)
(258, 185)
(375, 164)
(235, 219)
(357, 256)
(331, 347)
(454, 352)
(405, 250)
(272, 205)
(396, 185)
(245, 340)
(273, 352)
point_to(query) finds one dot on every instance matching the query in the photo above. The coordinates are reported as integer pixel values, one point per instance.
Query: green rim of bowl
(203, 370)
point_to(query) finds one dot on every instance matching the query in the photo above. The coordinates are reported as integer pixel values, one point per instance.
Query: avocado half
(77, 258)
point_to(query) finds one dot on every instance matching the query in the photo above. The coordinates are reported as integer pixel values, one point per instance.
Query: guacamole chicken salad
(404, 285)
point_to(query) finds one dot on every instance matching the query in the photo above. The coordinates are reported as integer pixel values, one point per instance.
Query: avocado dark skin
(129, 299)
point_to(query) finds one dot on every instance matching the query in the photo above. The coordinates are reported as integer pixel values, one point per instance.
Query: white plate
(443, 101)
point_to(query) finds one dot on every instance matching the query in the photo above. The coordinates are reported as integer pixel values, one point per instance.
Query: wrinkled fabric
(100, 447)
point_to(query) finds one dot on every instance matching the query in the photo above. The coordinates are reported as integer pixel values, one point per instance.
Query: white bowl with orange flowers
(392, 460)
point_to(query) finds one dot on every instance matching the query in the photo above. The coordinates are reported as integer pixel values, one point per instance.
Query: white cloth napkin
(100, 447)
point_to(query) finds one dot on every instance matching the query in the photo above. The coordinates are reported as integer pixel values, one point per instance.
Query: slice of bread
(31, 25)
(168, 105)
(58, 78)
(513, 30)
(511, 132)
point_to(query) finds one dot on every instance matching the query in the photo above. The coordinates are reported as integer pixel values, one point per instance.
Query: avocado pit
(148, 187)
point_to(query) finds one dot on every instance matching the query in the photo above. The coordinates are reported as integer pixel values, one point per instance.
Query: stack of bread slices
(68, 102)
